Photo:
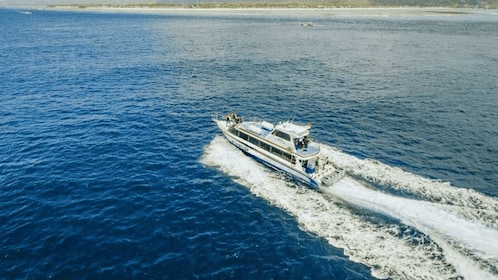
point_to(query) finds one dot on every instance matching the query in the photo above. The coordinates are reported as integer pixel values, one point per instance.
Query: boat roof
(294, 130)
(264, 129)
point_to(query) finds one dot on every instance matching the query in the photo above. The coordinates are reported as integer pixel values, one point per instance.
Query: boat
(307, 24)
(285, 147)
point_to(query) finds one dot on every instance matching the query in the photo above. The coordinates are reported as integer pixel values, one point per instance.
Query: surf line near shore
(277, 11)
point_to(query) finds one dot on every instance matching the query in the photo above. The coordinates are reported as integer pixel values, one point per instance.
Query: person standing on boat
(306, 141)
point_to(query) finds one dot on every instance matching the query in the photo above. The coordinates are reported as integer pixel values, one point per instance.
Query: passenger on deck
(306, 141)
(235, 118)
(232, 118)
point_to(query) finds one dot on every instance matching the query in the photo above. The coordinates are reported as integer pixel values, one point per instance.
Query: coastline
(339, 11)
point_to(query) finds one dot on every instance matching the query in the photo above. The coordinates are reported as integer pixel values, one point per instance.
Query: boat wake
(427, 229)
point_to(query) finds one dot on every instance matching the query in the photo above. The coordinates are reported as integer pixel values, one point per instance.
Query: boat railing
(221, 117)
(216, 116)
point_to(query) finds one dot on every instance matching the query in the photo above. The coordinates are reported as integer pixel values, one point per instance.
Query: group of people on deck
(302, 143)
(232, 118)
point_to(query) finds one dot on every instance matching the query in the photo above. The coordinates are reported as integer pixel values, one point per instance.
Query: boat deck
(311, 150)
(256, 127)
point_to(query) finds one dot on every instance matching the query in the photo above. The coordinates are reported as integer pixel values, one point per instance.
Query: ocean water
(110, 166)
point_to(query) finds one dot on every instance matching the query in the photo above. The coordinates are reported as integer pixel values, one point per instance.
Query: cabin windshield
(282, 135)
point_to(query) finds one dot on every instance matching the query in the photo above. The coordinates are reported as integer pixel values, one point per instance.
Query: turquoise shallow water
(111, 168)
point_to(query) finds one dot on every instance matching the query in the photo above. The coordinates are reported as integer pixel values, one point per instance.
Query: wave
(396, 236)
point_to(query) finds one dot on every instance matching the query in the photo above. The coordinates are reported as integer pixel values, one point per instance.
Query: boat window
(281, 154)
(282, 135)
(243, 135)
(254, 141)
(264, 146)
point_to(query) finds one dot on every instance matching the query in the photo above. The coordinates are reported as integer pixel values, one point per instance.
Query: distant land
(313, 4)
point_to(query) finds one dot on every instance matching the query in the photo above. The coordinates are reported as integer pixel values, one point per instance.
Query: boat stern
(333, 177)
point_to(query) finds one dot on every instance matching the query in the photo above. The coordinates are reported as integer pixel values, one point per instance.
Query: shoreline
(285, 11)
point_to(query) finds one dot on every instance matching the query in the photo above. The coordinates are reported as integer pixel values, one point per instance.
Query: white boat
(284, 147)
(307, 24)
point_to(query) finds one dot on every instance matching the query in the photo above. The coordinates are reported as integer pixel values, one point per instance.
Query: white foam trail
(390, 250)
(431, 219)
(463, 202)
(421, 214)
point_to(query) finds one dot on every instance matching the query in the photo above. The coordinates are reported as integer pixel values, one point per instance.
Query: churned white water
(409, 238)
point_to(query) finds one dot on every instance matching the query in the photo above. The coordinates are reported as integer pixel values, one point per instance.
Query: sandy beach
(297, 12)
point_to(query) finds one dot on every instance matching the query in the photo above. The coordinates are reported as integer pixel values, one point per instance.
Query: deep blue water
(111, 168)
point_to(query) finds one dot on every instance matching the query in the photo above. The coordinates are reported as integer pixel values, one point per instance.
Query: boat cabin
(287, 140)
(294, 137)
(297, 138)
